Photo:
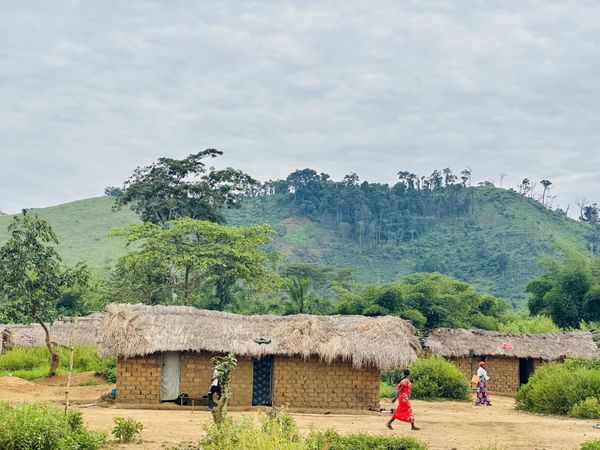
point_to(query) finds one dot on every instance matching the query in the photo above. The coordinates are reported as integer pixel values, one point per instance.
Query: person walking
(404, 411)
(483, 397)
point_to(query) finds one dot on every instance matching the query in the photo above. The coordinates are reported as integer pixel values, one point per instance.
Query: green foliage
(224, 365)
(569, 290)
(31, 363)
(332, 440)
(274, 431)
(176, 259)
(428, 299)
(126, 429)
(108, 369)
(435, 378)
(278, 430)
(522, 323)
(170, 189)
(43, 426)
(593, 444)
(432, 378)
(586, 409)
(562, 389)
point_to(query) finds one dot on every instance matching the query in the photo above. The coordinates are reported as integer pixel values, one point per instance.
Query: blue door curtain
(262, 381)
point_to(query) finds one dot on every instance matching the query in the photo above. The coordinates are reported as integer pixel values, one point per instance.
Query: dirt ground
(444, 425)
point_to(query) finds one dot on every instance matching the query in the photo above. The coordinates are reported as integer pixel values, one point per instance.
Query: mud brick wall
(196, 375)
(503, 372)
(138, 379)
(313, 384)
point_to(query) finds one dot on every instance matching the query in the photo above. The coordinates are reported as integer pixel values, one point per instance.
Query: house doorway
(169, 377)
(525, 370)
(262, 381)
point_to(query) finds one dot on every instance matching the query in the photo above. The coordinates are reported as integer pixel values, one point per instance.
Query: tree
(187, 252)
(32, 277)
(301, 300)
(568, 291)
(172, 188)
(113, 191)
(546, 184)
(225, 366)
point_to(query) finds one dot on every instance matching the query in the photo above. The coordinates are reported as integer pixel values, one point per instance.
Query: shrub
(277, 430)
(386, 390)
(43, 426)
(586, 409)
(435, 378)
(108, 369)
(126, 429)
(591, 445)
(555, 388)
(331, 440)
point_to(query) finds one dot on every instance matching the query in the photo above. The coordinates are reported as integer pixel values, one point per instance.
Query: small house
(303, 361)
(510, 357)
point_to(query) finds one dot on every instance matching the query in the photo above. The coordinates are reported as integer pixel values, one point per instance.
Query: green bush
(126, 429)
(586, 409)
(591, 445)
(435, 378)
(43, 426)
(331, 440)
(556, 388)
(386, 390)
(108, 369)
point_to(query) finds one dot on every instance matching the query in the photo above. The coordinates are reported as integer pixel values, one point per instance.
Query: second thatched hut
(304, 361)
(510, 357)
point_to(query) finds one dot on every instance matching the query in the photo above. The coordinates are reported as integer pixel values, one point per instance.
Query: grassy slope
(82, 229)
(502, 222)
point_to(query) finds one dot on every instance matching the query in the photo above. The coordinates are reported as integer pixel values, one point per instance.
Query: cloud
(89, 91)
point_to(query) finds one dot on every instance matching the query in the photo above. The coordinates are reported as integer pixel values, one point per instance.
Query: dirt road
(444, 425)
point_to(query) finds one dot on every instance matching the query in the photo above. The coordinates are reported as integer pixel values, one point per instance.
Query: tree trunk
(220, 412)
(54, 356)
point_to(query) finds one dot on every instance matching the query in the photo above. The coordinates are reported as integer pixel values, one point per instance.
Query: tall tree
(172, 188)
(189, 252)
(32, 276)
(546, 184)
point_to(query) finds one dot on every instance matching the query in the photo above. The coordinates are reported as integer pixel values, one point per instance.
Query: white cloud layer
(90, 90)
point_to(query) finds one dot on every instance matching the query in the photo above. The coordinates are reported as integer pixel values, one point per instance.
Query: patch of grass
(88, 383)
(31, 363)
(591, 445)
(386, 390)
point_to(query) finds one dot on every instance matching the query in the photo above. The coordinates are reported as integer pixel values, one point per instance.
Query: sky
(90, 90)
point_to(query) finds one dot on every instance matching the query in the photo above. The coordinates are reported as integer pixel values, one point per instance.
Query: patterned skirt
(482, 394)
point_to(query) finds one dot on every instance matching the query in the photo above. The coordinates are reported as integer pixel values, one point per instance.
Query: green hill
(497, 247)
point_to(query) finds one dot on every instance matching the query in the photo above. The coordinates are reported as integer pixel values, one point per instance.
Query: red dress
(404, 410)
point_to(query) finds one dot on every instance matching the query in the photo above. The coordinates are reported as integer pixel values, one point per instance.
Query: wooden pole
(71, 355)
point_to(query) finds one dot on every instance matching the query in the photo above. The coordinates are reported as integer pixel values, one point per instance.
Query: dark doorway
(262, 381)
(525, 369)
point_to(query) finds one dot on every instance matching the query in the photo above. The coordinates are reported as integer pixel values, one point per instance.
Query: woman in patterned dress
(404, 410)
(483, 397)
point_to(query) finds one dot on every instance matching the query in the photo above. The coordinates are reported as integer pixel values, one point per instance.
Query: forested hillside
(490, 237)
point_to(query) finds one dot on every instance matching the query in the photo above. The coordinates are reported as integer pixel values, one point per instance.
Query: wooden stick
(71, 355)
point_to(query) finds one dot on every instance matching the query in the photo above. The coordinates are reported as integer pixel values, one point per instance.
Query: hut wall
(138, 379)
(503, 372)
(296, 382)
(313, 384)
(196, 375)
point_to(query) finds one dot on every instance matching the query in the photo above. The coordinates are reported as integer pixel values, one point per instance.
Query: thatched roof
(450, 342)
(135, 330)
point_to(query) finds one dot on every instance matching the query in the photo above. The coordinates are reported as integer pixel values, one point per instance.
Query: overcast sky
(91, 89)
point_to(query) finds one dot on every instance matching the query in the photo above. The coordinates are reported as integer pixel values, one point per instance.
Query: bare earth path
(444, 425)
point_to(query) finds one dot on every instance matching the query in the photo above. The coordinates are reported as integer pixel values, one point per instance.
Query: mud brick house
(510, 357)
(303, 361)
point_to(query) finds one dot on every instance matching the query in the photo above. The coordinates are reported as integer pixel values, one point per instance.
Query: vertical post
(71, 354)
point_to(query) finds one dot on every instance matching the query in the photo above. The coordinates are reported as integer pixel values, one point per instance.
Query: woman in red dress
(404, 410)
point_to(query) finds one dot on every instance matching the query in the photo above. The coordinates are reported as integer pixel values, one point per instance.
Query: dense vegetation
(279, 430)
(43, 426)
(432, 378)
(572, 388)
(569, 289)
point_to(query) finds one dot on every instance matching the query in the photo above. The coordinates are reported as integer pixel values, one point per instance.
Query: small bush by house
(572, 388)
(432, 378)
(43, 426)
(591, 445)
